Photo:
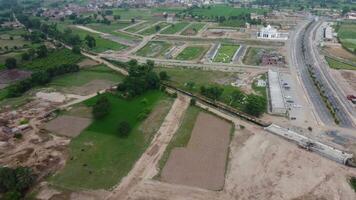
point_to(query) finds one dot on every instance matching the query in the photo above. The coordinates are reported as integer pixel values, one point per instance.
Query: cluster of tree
(124, 129)
(141, 78)
(41, 77)
(255, 105)
(101, 107)
(213, 92)
(15, 182)
(40, 52)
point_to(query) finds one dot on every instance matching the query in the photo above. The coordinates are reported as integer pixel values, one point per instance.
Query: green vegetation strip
(138, 27)
(182, 136)
(191, 53)
(225, 53)
(335, 64)
(154, 29)
(346, 34)
(98, 157)
(113, 29)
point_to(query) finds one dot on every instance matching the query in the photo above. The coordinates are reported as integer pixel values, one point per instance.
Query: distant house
(351, 15)
(271, 33)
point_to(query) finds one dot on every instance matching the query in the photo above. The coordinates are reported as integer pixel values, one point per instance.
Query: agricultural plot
(100, 158)
(221, 10)
(154, 49)
(346, 35)
(175, 28)
(202, 162)
(192, 53)
(193, 29)
(113, 29)
(154, 29)
(56, 58)
(138, 27)
(225, 53)
(335, 64)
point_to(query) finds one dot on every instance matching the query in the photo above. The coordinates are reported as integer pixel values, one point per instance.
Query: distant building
(271, 33)
(351, 15)
(276, 100)
(272, 59)
(328, 33)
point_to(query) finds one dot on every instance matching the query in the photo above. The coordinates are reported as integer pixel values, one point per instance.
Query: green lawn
(335, 64)
(100, 72)
(182, 136)
(193, 29)
(347, 35)
(58, 57)
(192, 53)
(225, 53)
(175, 28)
(100, 158)
(152, 30)
(138, 27)
(154, 49)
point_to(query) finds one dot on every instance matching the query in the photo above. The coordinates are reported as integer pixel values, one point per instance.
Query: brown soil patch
(12, 75)
(202, 163)
(350, 77)
(338, 51)
(90, 88)
(69, 126)
(87, 63)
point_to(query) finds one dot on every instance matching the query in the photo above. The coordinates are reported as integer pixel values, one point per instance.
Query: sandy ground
(350, 77)
(69, 126)
(337, 50)
(202, 162)
(55, 97)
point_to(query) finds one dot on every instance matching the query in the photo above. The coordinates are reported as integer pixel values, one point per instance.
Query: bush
(163, 76)
(10, 63)
(256, 105)
(124, 129)
(15, 182)
(353, 183)
(101, 108)
(193, 101)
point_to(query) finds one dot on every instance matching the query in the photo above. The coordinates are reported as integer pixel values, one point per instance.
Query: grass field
(335, 64)
(152, 30)
(139, 27)
(192, 53)
(221, 10)
(252, 56)
(181, 78)
(182, 136)
(193, 29)
(113, 29)
(154, 49)
(225, 53)
(100, 72)
(100, 157)
(128, 14)
(59, 57)
(347, 35)
(175, 28)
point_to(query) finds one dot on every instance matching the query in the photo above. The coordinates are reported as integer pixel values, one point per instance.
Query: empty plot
(69, 126)
(154, 49)
(202, 163)
(192, 53)
(225, 53)
(193, 29)
(154, 29)
(138, 27)
(175, 28)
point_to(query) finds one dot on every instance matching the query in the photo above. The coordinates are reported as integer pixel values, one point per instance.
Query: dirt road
(146, 166)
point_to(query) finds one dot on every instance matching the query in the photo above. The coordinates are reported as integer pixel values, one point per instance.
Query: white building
(271, 33)
(276, 100)
(328, 33)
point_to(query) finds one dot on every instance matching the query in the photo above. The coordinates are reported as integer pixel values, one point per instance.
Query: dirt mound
(202, 163)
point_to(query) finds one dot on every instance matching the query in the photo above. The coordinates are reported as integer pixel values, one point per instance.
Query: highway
(305, 36)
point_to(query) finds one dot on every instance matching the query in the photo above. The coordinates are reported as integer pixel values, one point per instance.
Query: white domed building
(271, 33)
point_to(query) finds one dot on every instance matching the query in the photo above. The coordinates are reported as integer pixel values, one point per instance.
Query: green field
(100, 72)
(109, 158)
(113, 29)
(154, 49)
(56, 58)
(347, 36)
(192, 53)
(225, 53)
(182, 136)
(181, 78)
(193, 29)
(139, 27)
(221, 10)
(128, 14)
(335, 64)
(152, 30)
(175, 28)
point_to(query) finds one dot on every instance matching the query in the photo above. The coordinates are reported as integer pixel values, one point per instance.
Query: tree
(117, 17)
(42, 51)
(101, 107)
(76, 49)
(237, 96)
(124, 129)
(90, 41)
(133, 20)
(190, 85)
(15, 182)
(10, 63)
(163, 76)
(256, 105)
(213, 92)
(157, 28)
(40, 78)
(25, 56)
